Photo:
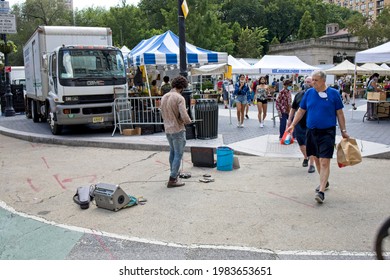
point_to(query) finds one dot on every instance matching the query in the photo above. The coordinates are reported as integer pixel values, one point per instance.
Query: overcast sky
(81, 4)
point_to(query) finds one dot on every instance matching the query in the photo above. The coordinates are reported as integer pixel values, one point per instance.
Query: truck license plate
(98, 119)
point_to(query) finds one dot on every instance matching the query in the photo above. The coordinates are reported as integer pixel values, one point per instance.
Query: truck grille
(89, 99)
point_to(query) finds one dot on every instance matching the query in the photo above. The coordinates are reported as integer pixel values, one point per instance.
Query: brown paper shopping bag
(348, 152)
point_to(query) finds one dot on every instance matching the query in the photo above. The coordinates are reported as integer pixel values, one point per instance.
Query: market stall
(379, 54)
(282, 65)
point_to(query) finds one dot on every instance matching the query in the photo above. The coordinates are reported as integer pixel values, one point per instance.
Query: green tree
(274, 41)
(383, 23)
(250, 42)
(283, 19)
(368, 32)
(307, 27)
(47, 12)
(245, 12)
(203, 25)
(129, 25)
(152, 11)
(95, 16)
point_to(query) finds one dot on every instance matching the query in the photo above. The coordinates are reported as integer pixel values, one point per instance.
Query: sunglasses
(323, 94)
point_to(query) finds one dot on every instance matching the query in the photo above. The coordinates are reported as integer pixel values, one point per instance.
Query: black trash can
(206, 115)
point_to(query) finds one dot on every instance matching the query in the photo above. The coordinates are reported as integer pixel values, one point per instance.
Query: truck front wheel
(55, 128)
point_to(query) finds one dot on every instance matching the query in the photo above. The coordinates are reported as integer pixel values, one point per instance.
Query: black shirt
(295, 105)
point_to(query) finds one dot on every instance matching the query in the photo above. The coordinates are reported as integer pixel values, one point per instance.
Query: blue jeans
(283, 123)
(177, 142)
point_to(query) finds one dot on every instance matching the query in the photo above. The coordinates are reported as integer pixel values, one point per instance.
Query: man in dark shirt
(300, 129)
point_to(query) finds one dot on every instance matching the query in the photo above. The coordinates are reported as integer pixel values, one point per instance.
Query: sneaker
(311, 169)
(242, 125)
(326, 187)
(238, 125)
(226, 106)
(305, 162)
(175, 183)
(320, 197)
(246, 116)
(261, 124)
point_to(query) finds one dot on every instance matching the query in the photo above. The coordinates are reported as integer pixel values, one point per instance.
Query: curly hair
(179, 82)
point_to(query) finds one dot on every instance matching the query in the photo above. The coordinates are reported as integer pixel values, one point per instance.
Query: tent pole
(148, 87)
(354, 91)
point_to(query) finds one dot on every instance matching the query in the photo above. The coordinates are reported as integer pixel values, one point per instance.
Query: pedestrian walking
(300, 129)
(283, 106)
(240, 92)
(347, 90)
(175, 116)
(261, 95)
(323, 106)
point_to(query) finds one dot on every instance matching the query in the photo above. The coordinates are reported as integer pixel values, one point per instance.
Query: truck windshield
(90, 64)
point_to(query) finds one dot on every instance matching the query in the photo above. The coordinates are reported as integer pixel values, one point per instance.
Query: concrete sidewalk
(265, 209)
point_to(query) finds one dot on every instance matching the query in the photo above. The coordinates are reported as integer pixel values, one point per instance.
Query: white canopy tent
(243, 61)
(378, 54)
(283, 64)
(240, 68)
(237, 68)
(125, 51)
(346, 68)
(375, 68)
(384, 65)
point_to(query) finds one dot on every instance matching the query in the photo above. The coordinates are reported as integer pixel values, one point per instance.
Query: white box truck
(17, 75)
(73, 75)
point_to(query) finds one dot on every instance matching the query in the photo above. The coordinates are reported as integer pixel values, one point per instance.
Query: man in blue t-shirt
(323, 106)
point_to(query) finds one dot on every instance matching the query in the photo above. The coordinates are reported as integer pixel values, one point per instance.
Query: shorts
(320, 142)
(241, 99)
(300, 134)
(225, 95)
(263, 101)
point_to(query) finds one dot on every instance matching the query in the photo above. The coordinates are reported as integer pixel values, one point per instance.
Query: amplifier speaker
(203, 157)
(110, 197)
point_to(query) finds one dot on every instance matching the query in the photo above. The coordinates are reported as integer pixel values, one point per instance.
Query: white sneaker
(238, 125)
(262, 124)
(242, 125)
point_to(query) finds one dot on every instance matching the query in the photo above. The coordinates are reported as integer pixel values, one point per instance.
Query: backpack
(165, 88)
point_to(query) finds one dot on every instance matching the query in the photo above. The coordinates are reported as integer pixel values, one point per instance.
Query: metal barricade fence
(136, 111)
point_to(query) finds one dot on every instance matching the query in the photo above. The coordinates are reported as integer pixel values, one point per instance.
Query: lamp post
(341, 57)
(9, 109)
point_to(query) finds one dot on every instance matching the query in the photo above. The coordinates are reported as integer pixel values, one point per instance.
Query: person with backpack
(166, 86)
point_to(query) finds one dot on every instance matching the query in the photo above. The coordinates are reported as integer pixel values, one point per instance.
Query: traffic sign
(4, 7)
(7, 23)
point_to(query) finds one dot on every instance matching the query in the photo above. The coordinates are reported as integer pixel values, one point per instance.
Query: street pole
(190, 128)
(9, 109)
(182, 40)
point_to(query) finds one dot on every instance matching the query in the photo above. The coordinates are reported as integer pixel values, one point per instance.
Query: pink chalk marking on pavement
(29, 181)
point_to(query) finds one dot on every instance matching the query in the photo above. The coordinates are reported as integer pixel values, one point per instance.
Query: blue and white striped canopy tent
(164, 50)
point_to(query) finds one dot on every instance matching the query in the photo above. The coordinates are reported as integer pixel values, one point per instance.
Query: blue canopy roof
(164, 50)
